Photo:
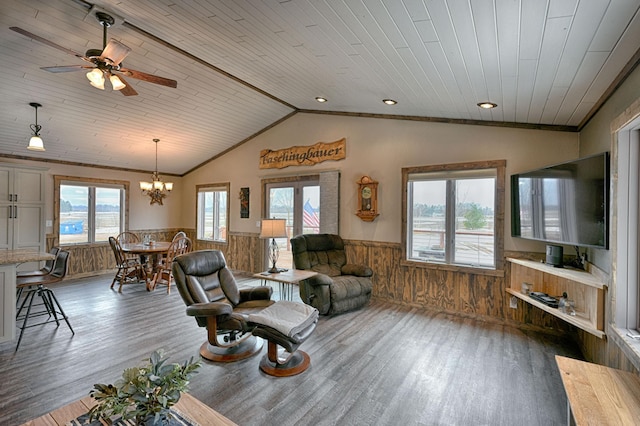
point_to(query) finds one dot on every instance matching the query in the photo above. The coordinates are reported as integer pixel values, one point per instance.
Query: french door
(299, 203)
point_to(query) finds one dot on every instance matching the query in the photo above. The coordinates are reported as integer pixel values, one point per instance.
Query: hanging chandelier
(156, 189)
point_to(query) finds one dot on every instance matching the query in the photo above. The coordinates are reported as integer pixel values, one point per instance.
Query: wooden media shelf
(585, 288)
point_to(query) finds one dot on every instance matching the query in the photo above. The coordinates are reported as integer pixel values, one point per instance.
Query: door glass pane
(427, 220)
(474, 239)
(311, 210)
(107, 213)
(74, 214)
(281, 207)
(212, 215)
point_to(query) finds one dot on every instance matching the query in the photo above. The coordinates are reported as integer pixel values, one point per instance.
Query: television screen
(566, 203)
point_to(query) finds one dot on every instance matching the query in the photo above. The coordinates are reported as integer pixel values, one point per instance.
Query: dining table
(149, 253)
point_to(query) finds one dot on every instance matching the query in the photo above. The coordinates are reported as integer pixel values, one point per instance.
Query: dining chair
(128, 237)
(180, 234)
(130, 269)
(37, 286)
(163, 274)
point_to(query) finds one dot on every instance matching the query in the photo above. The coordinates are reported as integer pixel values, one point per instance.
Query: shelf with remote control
(586, 289)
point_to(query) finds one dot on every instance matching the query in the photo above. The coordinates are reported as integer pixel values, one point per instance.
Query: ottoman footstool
(285, 325)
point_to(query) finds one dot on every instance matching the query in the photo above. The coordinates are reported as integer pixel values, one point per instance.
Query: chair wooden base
(295, 363)
(246, 349)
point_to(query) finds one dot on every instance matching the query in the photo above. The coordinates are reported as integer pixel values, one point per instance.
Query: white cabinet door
(22, 223)
(28, 186)
(7, 302)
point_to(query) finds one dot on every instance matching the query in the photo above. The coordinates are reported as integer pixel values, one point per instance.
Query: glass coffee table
(286, 280)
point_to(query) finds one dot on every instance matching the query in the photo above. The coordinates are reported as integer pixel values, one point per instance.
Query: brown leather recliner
(339, 286)
(211, 294)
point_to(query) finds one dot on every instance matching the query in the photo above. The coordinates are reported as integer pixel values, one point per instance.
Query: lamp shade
(116, 83)
(96, 78)
(36, 144)
(273, 228)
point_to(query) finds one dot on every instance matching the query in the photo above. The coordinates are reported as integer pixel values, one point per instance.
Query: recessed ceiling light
(389, 101)
(487, 105)
(321, 99)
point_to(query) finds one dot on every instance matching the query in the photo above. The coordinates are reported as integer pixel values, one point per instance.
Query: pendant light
(35, 143)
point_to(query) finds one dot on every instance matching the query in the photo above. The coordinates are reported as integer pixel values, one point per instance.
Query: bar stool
(33, 286)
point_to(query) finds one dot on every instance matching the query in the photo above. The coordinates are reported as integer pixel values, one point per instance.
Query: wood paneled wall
(94, 259)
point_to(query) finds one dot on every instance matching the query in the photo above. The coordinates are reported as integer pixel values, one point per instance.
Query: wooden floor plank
(385, 364)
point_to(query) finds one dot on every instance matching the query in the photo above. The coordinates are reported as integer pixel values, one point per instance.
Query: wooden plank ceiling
(243, 65)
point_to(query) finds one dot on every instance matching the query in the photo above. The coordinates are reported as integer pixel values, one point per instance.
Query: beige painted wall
(596, 137)
(141, 214)
(379, 148)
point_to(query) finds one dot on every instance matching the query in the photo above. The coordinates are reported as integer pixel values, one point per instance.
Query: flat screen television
(565, 203)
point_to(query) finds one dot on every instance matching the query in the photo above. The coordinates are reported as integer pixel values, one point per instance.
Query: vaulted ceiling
(242, 66)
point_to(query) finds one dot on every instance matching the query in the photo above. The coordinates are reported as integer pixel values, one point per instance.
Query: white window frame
(200, 217)
(91, 185)
(452, 172)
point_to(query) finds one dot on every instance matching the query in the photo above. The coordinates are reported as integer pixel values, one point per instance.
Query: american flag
(310, 217)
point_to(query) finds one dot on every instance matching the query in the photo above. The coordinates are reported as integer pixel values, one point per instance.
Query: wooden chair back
(178, 246)
(128, 237)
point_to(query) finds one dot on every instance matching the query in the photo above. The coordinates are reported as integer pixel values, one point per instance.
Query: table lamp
(273, 228)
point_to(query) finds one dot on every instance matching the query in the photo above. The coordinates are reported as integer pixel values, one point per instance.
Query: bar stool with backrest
(37, 286)
(45, 270)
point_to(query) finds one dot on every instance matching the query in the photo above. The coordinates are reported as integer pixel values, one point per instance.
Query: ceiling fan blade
(66, 68)
(149, 77)
(128, 90)
(47, 42)
(114, 52)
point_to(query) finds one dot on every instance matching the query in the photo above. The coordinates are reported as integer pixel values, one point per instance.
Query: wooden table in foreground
(599, 395)
(286, 280)
(188, 406)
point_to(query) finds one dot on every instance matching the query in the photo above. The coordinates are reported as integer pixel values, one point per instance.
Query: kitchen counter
(9, 261)
(8, 257)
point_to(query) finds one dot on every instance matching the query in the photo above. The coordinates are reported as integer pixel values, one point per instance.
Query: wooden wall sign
(303, 155)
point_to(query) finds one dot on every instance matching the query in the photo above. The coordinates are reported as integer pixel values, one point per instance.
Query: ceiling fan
(105, 63)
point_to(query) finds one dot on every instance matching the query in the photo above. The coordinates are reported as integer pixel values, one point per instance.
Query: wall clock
(367, 199)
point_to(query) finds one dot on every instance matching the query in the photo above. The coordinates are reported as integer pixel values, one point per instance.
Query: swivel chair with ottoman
(234, 317)
(339, 286)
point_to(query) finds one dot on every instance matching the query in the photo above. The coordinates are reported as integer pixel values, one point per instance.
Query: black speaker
(554, 256)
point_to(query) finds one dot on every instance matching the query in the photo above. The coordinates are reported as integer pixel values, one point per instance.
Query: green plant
(144, 393)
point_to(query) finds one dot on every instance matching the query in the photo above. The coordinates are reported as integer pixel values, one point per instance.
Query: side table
(286, 280)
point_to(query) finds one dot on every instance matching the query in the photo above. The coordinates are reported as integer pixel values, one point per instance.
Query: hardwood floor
(382, 365)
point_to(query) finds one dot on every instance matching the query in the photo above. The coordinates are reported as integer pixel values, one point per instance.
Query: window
(454, 214)
(212, 212)
(89, 212)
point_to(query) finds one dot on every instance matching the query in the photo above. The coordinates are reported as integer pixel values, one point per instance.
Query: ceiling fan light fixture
(96, 78)
(116, 83)
(35, 143)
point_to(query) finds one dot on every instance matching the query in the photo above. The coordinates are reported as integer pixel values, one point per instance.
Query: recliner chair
(212, 296)
(339, 286)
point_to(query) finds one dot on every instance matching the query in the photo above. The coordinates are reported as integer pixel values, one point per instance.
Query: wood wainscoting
(87, 260)
(452, 290)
